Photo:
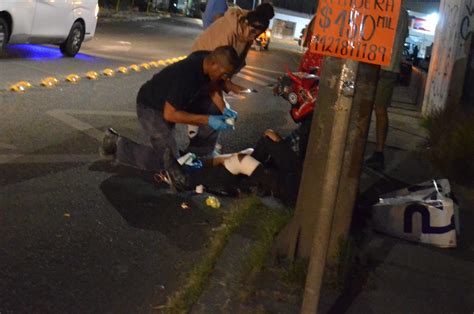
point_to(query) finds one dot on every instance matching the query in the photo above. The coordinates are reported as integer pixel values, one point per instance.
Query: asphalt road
(77, 236)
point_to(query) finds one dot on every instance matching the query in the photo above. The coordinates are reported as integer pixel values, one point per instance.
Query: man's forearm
(218, 99)
(230, 86)
(187, 118)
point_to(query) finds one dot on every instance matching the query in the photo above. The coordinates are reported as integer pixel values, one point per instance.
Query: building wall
(424, 6)
(468, 95)
(292, 21)
(302, 6)
(309, 6)
(450, 55)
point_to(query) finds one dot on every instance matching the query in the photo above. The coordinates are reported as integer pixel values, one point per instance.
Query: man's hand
(218, 123)
(229, 113)
(272, 135)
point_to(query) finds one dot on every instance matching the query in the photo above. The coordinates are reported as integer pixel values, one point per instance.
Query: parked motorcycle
(300, 89)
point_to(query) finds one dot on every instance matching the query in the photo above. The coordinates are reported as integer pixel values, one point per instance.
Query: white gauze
(246, 165)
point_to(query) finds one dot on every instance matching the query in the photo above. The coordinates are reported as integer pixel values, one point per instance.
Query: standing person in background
(310, 61)
(416, 61)
(388, 76)
(237, 28)
(214, 10)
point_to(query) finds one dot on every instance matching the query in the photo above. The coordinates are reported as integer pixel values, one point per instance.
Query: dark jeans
(160, 133)
(281, 169)
(278, 154)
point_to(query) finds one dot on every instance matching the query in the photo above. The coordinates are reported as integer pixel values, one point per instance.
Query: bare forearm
(232, 87)
(187, 118)
(218, 99)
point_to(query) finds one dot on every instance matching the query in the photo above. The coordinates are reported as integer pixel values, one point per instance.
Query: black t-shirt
(178, 83)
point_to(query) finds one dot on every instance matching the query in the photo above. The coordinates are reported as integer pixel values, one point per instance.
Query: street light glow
(432, 21)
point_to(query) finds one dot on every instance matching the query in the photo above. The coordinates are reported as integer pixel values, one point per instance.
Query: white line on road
(252, 73)
(253, 80)
(76, 124)
(7, 146)
(99, 54)
(262, 69)
(114, 48)
(66, 117)
(46, 159)
(95, 112)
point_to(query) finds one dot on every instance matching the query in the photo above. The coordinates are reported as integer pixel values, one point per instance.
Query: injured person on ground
(273, 167)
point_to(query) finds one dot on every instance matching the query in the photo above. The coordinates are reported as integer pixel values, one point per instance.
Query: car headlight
(96, 10)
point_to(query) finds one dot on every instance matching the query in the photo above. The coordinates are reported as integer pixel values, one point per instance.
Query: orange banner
(362, 30)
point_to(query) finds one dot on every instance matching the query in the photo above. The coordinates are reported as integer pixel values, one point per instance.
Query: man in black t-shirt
(168, 98)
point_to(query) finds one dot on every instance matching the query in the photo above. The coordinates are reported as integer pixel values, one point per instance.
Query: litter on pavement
(213, 202)
(424, 213)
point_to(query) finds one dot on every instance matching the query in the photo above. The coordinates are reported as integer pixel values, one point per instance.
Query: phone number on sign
(341, 47)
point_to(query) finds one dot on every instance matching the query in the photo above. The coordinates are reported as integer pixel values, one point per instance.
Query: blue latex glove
(229, 113)
(218, 123)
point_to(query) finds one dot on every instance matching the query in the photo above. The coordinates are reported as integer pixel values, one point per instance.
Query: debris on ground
(425, 213)
(213, 202)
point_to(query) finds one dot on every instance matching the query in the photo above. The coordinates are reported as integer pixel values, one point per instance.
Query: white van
(64, 22)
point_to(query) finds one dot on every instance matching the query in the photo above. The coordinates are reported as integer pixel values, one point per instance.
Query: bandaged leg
(241, 164)
(247, 151)
(219, 160)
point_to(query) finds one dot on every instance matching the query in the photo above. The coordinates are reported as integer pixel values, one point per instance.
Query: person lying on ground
(274, 166)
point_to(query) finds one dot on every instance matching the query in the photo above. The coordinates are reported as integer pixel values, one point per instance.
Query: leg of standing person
(383, 97)
(160, 136)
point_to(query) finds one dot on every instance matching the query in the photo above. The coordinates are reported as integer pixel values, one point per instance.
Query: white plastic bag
(423, 213)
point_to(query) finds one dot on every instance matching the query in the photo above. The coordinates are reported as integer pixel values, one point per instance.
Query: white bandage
(243, 165)
(247, 151)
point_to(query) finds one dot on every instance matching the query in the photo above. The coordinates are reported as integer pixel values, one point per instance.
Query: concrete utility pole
(450, 55)
(358, 131)
(336, 146)
(330, 143)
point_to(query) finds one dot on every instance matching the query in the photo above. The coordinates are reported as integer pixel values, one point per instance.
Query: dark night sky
(309, 6)
(305, 6)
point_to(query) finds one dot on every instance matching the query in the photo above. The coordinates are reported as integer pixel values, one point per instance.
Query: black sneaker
(108, 147)
(376, 161)
(179, 179)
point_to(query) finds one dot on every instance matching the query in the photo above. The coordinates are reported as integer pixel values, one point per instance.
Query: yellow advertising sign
(362, 30)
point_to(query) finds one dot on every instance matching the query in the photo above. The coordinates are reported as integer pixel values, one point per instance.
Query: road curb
(130, 19)
(130, 16)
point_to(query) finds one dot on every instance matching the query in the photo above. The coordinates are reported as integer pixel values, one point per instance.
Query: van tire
(4, 33)
(70, 47)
